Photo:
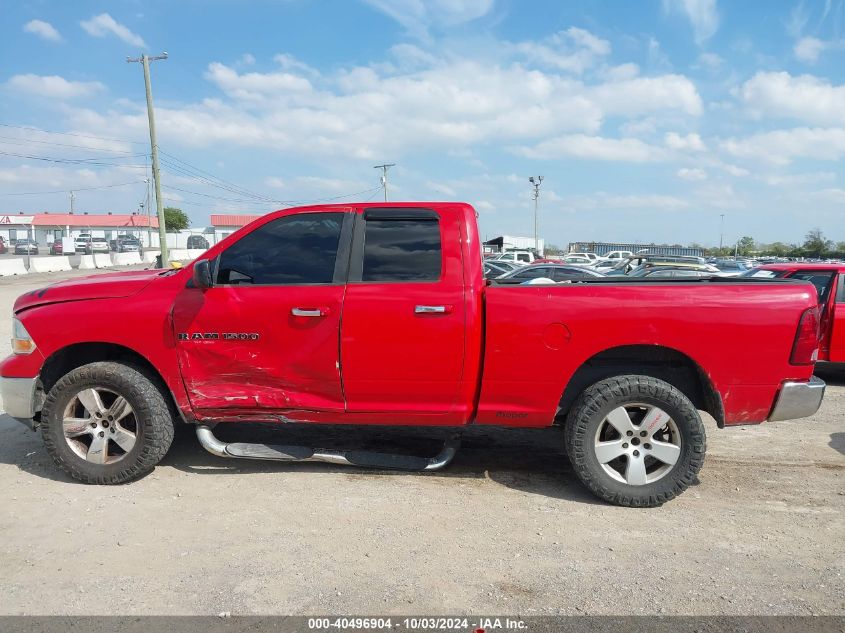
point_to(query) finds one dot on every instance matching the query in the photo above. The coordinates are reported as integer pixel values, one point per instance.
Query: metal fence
(603, 248)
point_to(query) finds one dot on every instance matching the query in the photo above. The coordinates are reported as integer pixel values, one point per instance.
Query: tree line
(815, 245)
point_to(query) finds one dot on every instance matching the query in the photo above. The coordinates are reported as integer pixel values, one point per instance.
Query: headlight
(22, 342)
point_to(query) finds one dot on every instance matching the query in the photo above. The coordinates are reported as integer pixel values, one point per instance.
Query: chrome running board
(361, 459)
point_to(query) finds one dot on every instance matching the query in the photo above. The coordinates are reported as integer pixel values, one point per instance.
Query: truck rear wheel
(635, 440)
(106, 423)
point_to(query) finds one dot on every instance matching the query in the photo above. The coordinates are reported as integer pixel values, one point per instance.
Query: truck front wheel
(106, 423)
(635, 440)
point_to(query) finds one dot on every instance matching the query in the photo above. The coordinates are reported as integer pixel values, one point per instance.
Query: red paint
(832, 318)
(497, 355)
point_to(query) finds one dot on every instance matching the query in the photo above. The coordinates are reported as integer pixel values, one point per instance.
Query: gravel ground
(506, 528)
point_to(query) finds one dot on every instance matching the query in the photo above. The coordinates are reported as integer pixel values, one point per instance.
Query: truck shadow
(531, 461)
(832, 373)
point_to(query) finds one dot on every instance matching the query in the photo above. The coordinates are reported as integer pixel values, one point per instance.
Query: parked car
(647, 267)
(731, 267)
(80, 242)
(627, 265)
(555, 272)
(197, 241)
(56, 247)
(128, 244)
(829, 280)
(592, 257)
(518, 257)
(492, 270)
(26, 247)
(3, 248)
(96, 245)
(617, 256)
(255, 329)
(670, 271)
(578, 259)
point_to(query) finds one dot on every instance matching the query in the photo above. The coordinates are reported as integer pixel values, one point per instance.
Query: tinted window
(402, 250)
(821, 280)
(840, 290)
(564, 274)
(297, 249)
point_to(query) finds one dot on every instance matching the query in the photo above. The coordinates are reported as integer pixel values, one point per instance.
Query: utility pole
(384, 169)
(72, 198)
(162, 229)
(536, 182)
(721, 233)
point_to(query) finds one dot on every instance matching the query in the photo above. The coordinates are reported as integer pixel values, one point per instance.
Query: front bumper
(798, 400)
(19, 398)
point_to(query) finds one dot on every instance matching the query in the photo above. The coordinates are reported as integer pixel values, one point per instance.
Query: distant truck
(378, 314)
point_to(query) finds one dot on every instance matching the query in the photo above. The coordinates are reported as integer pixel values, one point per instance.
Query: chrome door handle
(308, 312)
(432, 309)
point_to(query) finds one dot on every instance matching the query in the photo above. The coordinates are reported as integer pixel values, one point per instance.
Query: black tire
(153, 422)
(589, 412)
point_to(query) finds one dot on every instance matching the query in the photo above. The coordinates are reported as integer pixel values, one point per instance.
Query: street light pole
(721, 232)
(162, 229)
(536, 183)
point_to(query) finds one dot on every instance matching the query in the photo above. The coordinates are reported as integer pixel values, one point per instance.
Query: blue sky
(648, 120)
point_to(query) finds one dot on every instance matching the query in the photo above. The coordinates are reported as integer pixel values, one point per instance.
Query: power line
(37, 193)
(17, 140)
(100, 138)
(77, 161)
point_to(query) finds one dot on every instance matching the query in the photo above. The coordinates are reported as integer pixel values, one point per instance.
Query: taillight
(805, 349)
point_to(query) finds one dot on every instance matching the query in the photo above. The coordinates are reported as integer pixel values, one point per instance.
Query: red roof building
(228, 221)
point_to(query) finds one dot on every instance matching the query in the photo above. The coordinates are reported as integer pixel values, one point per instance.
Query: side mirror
(202, 274)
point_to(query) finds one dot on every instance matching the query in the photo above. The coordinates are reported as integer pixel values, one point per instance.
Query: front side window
(533, 273)
(402, 250)
(840, 290)
(296, 249)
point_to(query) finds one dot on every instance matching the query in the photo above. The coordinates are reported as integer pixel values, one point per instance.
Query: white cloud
(605, 200)
(780, 147)
(104, 24)
(691, 142)
(807, 49)
(595, 148)
(441, 188)
(711, 61)
(703, 15)
(417, 16)
(365, 112)
(248, 59)
(806, 98)
(692, 174)
(484, 206)
(43, 29)
(572, 50)
(53, 86)
(275, 182)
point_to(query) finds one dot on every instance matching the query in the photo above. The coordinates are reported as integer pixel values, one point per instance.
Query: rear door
(837, 335)
(402, 336)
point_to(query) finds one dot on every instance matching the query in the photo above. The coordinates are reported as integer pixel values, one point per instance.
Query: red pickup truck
(829, 280)
(379, 314)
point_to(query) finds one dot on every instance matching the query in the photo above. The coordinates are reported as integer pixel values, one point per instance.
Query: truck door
(265, 336)
(837, 337)
(402, 336)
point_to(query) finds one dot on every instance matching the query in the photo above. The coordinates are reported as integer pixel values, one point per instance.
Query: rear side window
(296, 249)
(820, 279)
(840, 290)
(533, 273)
(402, 250)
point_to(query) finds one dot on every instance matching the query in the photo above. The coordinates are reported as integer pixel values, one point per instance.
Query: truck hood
(104, 286)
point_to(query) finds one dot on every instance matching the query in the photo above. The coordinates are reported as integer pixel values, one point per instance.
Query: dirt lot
(505, 529)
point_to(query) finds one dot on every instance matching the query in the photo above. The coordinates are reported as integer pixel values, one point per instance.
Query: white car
(517, 257)
(591, 257)
(617, 256)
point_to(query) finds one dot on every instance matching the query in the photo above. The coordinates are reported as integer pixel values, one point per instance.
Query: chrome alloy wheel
(637, 444)
(99, 425)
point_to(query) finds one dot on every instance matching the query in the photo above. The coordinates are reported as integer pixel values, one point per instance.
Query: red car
(56, 247)
(829, 280)
(378, 314)
(3, 248)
